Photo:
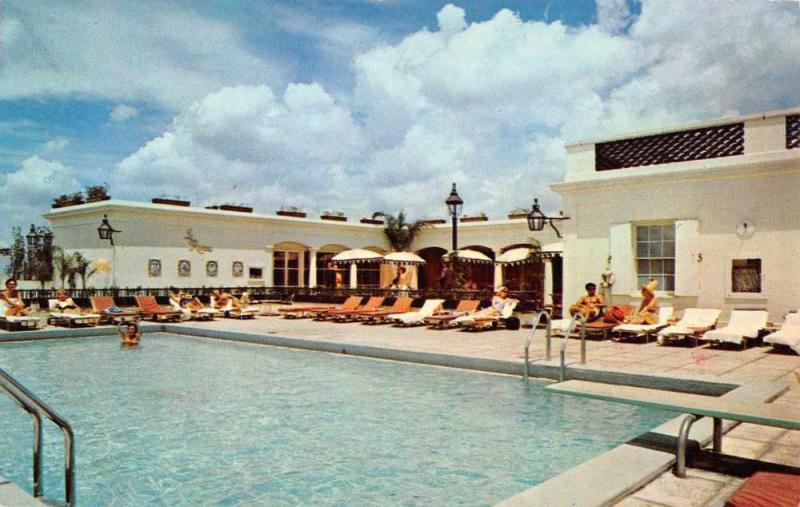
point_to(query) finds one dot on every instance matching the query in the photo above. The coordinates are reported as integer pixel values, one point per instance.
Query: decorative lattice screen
(792, 132)
(696, 144)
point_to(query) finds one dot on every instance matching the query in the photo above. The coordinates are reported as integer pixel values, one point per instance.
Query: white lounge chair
(411, 318)
(694, 321)
(70, 319)
(16, 322)
(789, 333)
(478, 321)
(248, 312)
(189, 314)
(646, 330)
(743, 325)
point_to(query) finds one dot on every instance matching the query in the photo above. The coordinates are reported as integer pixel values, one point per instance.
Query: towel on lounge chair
(694, 320)
(70, 319)
(788, 334)
(664, 315)
(446, 318)
(17, 321)
(412, 318)
(743, 324)
(487, 320)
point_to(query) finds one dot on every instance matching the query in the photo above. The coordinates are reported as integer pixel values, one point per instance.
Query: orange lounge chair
(349, 305)
(152, 310)
(443, 319)
(101, 304)
(372, 304)
(302, 311)
(767, 488)
(401, 305)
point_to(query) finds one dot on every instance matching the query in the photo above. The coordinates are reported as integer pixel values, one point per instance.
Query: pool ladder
(36, 408)
(576, 319)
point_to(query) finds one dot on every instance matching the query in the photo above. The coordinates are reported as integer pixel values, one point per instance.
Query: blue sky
(359, 105)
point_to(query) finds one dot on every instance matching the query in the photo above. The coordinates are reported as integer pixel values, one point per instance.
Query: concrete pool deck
(502, 351)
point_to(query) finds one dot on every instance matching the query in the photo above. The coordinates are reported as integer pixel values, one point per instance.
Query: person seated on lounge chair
(499, 302)
(589, 306)
(221, 300)
(130, 336)
(184, 300)
(15, 306)
(647, 313)
(64, 303)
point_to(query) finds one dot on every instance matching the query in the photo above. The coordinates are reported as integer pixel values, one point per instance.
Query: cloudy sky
(362, 105)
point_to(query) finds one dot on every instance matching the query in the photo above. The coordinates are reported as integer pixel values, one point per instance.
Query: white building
(709, 210)
(162, 245)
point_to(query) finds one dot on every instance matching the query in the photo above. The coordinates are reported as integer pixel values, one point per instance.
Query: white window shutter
(687, 248)
(620, 247)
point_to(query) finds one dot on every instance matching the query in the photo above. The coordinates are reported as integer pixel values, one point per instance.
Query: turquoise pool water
(190, 421)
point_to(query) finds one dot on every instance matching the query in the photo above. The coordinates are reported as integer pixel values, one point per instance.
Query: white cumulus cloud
(486, 104)
(123, 112)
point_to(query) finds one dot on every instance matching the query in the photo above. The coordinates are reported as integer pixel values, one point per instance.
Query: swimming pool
(187, 421)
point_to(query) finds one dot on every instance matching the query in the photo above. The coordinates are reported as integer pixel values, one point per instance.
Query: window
(655, 255)
(326, 271)
(256, 273)
(745, 276)
(286, 268)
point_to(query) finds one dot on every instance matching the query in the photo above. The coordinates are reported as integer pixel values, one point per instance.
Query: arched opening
(326, 271)
(289, 264)
(428, 277)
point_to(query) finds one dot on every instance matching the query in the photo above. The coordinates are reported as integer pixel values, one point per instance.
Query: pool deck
(502, 351)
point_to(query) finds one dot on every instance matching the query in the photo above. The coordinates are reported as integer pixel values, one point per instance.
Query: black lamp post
(537, 219)
(454, 206)
(32, 239)
(105, 231)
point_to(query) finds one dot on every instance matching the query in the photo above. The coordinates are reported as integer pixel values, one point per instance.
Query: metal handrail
(36, 407)
(575, 319)
(548, 347)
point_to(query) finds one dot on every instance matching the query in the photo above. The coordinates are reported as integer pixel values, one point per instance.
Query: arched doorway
(479, 276)
(432, 269)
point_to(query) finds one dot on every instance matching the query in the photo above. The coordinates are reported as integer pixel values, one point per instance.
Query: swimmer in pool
(130, 336)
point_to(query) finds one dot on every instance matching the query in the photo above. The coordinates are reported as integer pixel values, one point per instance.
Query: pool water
(188, 421)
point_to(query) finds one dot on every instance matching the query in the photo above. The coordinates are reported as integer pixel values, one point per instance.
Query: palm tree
(63, 263)
(399, 232)
(82, 268)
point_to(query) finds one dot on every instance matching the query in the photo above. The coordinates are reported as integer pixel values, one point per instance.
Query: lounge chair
(205, 313)
(303, 311)
(60, 318)
(401, 305)
(372, 304)
(625, 331)
(789, 333)
(238, 312)
(414, 318)
(16, 322)
(477, 321)
(694, 322)
(743, 325)
(150, 309)
(442, 320)
(101, 305)
(352, 303)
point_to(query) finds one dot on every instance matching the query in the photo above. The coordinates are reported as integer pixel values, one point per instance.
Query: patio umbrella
(467, 255)
(522, 255)
(403, 258)
(356, 255)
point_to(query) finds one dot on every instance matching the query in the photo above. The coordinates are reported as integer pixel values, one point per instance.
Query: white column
(548, 282)
(312, 268)
(498, 270)
(301, 267)
(353, 276)
(268, 251)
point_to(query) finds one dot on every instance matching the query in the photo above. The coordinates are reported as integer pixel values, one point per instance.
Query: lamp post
(105, 231)
(32, 239)
(454, 205)
(537, 219)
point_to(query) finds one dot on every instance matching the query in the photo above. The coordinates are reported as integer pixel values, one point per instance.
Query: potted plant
(68, 200)
(97, 193)
(336, 216)
(291, 211)
(373, 220)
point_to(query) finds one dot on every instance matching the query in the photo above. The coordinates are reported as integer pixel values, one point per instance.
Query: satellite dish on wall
(745, 229)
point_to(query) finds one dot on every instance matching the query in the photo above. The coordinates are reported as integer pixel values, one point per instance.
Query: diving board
(696, 405)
